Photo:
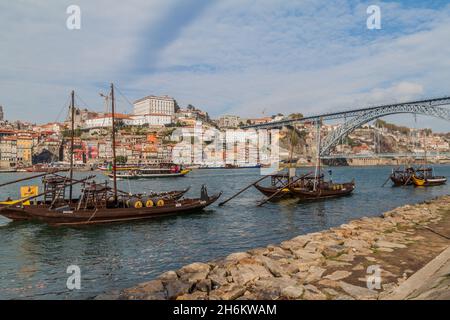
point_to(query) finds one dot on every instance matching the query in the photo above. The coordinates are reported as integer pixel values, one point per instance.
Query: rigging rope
(79, 98)
(125, 98)
(62, 108)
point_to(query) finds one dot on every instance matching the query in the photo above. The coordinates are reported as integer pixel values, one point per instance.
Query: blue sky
(245, 57)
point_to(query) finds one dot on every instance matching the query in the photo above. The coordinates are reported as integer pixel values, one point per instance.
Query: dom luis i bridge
(355, 118)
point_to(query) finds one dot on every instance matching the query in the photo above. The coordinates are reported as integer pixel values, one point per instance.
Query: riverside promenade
(403, 254)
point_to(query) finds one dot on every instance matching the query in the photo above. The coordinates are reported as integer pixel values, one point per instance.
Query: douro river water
(34, 257)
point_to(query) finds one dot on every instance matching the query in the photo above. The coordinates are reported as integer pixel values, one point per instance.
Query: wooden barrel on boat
(159, 202)
(147, 202)
(144, 200)
(120, 202)
(134, 202)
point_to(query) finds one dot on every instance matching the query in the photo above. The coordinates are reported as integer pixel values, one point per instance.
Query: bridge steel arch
(425, 108)
(357, 117)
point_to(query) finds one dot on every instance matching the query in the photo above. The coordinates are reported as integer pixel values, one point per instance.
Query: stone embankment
(332, 264)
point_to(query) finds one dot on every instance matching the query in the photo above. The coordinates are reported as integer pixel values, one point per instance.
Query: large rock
(312, 293)
(346, 257)
(302, 240)
(292, 292)
(338, 275)
(278, 253)
(272, 265)
(177, 288)
(270, 288)
(237, 256)
(333, 251)
(229, 291)
(306, 256)
(390, 245)
(248, 270)
(314, 246)
(204, 285)
(196, 295)
(151, 290)
(357, 292)
(168, 276)
(314, 274)
(356, 244)
(218, 276)
(329, 283)
(194, 272)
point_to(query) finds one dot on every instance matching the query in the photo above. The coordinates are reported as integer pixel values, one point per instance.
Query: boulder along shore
(337, 263)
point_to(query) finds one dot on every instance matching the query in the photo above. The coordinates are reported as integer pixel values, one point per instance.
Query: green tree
(297, 115)
(177, 107)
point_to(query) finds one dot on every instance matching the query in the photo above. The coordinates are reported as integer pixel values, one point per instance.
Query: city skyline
(224, 57)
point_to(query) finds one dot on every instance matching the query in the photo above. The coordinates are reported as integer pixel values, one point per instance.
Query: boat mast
(425, 147)
(113, 144)
(317, 171)
(72, 136)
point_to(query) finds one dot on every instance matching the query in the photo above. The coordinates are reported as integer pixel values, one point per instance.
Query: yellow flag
(29, 191)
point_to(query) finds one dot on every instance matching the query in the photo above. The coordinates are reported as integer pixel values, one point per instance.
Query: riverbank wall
(367, 258)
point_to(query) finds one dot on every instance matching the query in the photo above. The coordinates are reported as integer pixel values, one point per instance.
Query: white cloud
(263, 67)
(236, 56)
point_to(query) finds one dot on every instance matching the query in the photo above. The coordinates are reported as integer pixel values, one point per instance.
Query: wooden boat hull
(269, 191)
(104, 215)
(305, 194)
(434, 181)
(401, 181)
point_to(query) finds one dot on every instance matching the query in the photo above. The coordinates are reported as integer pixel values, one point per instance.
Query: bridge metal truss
(417, 108)
(416, 155)
(357, 117)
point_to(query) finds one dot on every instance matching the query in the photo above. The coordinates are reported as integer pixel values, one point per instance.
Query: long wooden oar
(29, 178)
(281, 188)
(407, 180)
(385, 181)
(242, 190)
(41, 194)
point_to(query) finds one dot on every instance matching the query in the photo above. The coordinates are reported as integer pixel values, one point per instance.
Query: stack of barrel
(135, 202)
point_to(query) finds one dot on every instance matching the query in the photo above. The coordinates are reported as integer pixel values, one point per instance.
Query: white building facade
(153, 104)
(141, 120)
(155, 119)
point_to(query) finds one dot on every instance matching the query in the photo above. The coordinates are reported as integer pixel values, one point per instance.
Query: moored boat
(402, 177)
(305, 188)
(427, 178)
(97, 203)
(147, 173)
(323, 190)
(100, 209)
(433, 181)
